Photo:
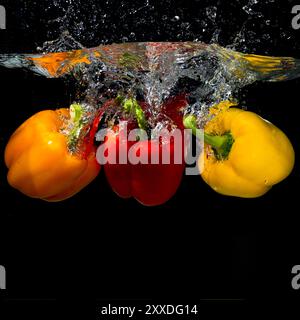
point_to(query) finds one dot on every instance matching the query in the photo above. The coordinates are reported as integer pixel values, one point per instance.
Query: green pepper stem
(221, 144)
(75, 112)
(132, 106)
(215, 141)
(76, 115)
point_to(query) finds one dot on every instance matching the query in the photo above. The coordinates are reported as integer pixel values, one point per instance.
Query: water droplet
(211, 13)
(175, 18)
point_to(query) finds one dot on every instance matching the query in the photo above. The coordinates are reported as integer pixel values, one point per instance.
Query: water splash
(154, 71)
(65, 42)
(247, 25)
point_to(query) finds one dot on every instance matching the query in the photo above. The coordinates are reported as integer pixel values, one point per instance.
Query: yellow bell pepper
(244, 155)
(40, 163)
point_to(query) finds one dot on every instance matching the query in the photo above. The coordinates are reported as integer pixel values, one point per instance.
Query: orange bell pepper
(40, 162)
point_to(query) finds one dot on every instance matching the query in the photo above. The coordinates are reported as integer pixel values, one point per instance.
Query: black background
(199, 245)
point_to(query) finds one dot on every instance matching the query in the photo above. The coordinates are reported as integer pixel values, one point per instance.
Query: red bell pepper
(173, 109)
(149, 183)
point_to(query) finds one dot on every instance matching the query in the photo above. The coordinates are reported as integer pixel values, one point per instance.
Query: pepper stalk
(132, 106)
(221, 144)
(77, 121)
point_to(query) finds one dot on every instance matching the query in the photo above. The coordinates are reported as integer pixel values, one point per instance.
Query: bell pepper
(40, 162)
(244, 155)
(173, 110)
(152, 183)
